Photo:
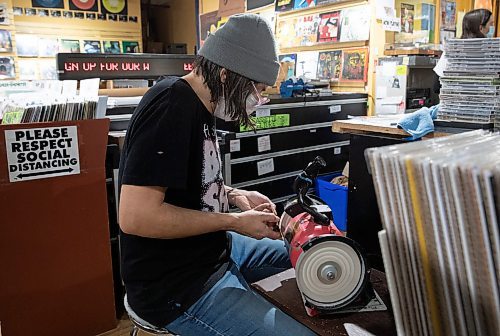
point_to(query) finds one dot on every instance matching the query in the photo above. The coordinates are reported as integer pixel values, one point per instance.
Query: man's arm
(143, 212)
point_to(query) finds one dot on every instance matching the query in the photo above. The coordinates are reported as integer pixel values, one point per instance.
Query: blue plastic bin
(335, 196)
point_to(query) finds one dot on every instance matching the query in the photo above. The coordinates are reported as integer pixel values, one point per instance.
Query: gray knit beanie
(246, 46)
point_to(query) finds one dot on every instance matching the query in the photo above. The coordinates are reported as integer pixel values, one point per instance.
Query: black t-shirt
(171, 142)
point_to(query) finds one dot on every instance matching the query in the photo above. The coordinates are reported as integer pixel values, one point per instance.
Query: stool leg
(134, 331)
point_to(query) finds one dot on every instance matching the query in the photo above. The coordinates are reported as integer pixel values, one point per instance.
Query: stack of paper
(471, 85)
(440, 204)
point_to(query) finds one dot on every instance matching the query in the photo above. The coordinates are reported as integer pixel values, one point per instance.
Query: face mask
(491, 32)
(220, 110)
(255, 100)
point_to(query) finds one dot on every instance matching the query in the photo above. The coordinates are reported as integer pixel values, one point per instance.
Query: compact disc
(114, 6)
(83, 4)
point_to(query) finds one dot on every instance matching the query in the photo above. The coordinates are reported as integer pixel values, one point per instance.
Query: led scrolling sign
(126, 66)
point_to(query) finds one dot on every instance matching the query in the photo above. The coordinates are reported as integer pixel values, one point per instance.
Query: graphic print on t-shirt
(213, 197)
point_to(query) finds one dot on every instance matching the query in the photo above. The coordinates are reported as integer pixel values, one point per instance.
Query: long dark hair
(473, 21)
(235, 89)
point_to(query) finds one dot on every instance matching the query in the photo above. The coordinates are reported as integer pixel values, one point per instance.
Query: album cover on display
(17, 11)
(27, 45)
(90, 16)
(329, 65)
(112, 47)
(27, 69)
(208, 24)
(101, 17)
(91, 47)
(49, 47)
(30, 11)
(130, 47)
(83, 5)
(284, 5)
(299, 4)
(355, 24)
(55, 13)
(448, 14)
(5, 41)
(253, 4)
(4, 14)
(133, 19)
(328, 30)
(7, 70)
(306, 30)
(79, 15)
(112, 17)
(122, 18)
(43, 12)
(47, 3)
(355, 65)
(291, 63)
(70, 46)
(114, 7)
(407, 18)
(285, 33)
(68, 14)
(47, 69)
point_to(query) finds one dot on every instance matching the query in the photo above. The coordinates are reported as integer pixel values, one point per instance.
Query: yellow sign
(401, 70)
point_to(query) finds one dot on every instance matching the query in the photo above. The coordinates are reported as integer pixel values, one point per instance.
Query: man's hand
(247, 200)
(257, 223)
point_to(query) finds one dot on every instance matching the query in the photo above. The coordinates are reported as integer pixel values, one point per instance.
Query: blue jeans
(231, 307)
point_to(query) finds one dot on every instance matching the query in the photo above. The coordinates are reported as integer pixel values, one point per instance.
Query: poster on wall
(7, 69)
(208, 25)
(112, 47)
(17, 11)
(130, 47)
(83, 5)
(28, 69)
(329, 65)
(5, 41)
(114, 7)
(328, 30)
(49, 47)
(47, 69)
(355, 24)
(448, 14)
(4, 14)
(47, 3)
(27, 45)
(228, 8)
(253, 4)
(299, 4)
(91, 47)
(70, 46)
(407, 18)
(284, 5)
(355, 65)
(306, 30)
(428, 17)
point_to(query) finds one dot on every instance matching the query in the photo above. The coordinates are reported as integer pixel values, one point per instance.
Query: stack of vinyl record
(439, 202)
(471, 86)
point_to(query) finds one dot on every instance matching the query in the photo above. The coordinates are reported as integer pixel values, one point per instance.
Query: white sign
(392, 24)
(265, 167)
(264, 143)
(335, 108)
(37, 153)
(234, 146)
(262, 112)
